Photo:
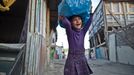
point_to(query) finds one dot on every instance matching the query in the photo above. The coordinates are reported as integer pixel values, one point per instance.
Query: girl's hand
(61, 17)
(91, 14)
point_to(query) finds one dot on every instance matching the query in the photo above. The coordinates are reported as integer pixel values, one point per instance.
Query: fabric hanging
(6, 5)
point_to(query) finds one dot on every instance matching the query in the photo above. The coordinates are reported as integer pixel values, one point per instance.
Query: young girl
(76, 63)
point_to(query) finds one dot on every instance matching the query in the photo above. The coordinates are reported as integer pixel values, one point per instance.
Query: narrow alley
(99, 67)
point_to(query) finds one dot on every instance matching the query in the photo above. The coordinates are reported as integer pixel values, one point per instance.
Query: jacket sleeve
(66, 23)
(87, 25)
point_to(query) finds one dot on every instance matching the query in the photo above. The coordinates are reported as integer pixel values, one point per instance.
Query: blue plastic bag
(64, 10)
(75, 7)
(79, 6)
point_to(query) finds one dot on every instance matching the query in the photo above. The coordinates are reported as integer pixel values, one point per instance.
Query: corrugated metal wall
(121, 45)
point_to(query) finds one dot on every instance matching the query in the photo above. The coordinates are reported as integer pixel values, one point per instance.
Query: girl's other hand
(91, 14)
(61, 17)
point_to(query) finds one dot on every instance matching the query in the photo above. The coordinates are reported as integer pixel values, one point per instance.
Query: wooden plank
(2, 73)
(7, 59)
(113, 15)
(11, 46)
(124, 13)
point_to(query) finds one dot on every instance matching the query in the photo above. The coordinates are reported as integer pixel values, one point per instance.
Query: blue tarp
(68, 8)
(98, 53)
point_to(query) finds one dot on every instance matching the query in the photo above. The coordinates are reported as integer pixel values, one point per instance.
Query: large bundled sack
(75, 7)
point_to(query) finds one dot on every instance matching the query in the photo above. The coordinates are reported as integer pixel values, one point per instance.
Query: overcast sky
(62, 38)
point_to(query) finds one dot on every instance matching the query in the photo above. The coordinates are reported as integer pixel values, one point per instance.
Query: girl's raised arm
(87, 25)
(65, 22)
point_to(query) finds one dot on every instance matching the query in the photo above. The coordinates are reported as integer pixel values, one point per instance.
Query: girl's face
(77, 22)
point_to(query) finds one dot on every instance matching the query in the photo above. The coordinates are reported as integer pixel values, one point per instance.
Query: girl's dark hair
(72, 17)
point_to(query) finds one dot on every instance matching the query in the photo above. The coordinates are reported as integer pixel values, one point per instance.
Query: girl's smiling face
(76, 22)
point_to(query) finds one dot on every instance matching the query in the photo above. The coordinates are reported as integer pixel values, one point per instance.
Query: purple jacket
(75, 37)
(76, 63)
